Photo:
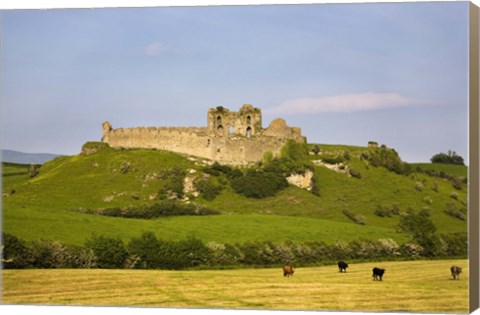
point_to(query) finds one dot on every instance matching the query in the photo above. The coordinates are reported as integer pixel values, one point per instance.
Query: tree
(422, 231)
(15, 253)
(316, 149)
(147, 248)
(33, 170)
(447, 158)
(110, 252)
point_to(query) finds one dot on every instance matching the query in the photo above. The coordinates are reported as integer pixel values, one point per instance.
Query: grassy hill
(51, 205)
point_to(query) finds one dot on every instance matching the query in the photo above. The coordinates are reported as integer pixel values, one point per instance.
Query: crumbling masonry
(235, 138)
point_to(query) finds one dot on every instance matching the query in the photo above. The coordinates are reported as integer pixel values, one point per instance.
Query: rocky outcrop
(301, 180)
(189, 184)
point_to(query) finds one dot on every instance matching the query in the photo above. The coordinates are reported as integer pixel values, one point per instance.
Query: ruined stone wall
(235, 138)
(241, 151)
(187, 140)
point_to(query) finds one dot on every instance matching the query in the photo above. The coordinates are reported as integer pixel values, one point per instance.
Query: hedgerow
(149, 252)
(162, 208)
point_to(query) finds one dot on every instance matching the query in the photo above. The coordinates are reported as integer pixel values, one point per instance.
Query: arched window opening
(208, 142)
(249, 132)
(219, 120)
(249, 120)
(220, 130)
(230, 130)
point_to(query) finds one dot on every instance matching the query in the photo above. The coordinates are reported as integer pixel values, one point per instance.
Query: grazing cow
(342, 266)
(378, 274)
(288, 271)
(456, 271)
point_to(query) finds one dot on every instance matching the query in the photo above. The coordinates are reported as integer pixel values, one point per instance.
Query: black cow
(378, 274)
(456, 271)
(342, 266)
(288, 271)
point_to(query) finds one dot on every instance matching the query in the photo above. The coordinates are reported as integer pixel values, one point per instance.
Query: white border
(56, 4)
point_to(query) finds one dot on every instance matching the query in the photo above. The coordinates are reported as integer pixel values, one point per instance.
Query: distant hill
(26, 158)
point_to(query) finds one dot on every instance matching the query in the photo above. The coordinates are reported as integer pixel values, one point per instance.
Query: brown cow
(456, 271)
(288, 271)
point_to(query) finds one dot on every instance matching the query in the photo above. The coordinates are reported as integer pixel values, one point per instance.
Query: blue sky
(396, 73)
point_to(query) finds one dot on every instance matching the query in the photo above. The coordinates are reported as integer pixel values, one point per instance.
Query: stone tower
(247, 122)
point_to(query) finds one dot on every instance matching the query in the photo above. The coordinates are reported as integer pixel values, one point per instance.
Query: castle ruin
(235, 138)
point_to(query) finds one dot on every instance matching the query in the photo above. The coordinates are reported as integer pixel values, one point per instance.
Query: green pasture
(415, 286)
(75, 228)
(450, 169)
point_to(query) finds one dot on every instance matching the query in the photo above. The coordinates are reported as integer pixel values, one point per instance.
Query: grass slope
(46, 206)
(451, 169)
(418, 286)
(74, 228)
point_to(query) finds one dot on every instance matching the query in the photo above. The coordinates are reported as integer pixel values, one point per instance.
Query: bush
(422, 231)
(383, 211)
(259, 184)
(457, 183)
(457, 244)
(315, 188)
(82, 257)
(209, 188)
(316, 149)
(53, 254)
(341, 250)
(216, 169)
(251, 253)
(173, 188)
(332, 159)
(147, 249)
(15, 253)
(453, 211)
(192, 253)
(161, 209)
(355, 173)
(125, 167)
(33, 170)
(362, 249)
(47, 254)
(411, 250)
(223, 254)
(387, 248)
(294, 158)
(358, 219)
(110, 252)
(418, 186)
(387, 158)
(427, 200)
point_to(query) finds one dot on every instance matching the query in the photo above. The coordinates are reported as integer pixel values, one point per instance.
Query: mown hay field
(419, 286)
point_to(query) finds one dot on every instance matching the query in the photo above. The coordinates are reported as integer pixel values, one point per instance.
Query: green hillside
(451, 169)
(52, 204)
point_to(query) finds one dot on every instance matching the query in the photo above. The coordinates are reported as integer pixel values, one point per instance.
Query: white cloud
(155, 48)
(345, 103)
